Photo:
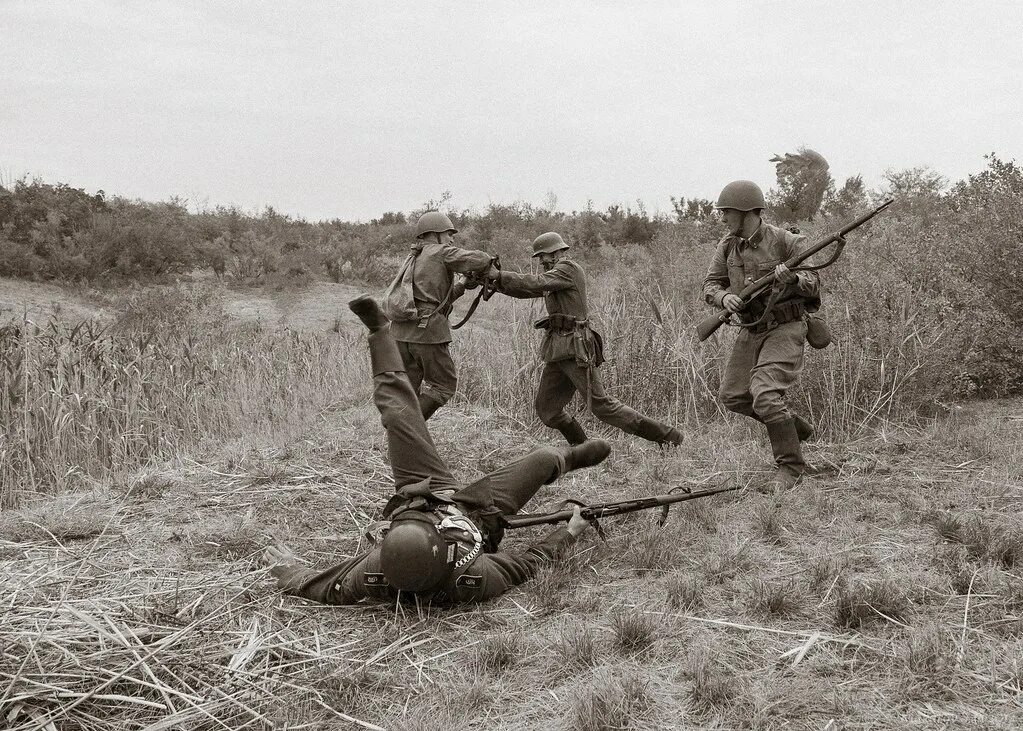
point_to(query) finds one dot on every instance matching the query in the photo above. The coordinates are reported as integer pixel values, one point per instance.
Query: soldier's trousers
(430, 370)
(761, 368)
(414, 456)
(559, 382)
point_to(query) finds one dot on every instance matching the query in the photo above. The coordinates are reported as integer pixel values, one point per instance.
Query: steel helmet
(742, 195)
(548, 243)
(434, 222)
(413, 556)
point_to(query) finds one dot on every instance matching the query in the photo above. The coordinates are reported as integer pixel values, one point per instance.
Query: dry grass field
(884, 592)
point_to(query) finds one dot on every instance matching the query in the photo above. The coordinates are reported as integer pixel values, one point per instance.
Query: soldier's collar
(754, 240)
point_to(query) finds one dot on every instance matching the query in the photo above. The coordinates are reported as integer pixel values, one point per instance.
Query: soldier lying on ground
(572, 350)
(442, 539)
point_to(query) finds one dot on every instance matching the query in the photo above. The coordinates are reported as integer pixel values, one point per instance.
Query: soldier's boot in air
(654, 431)
(383, 352)
(573, 432)
(367, 310)
(428, 404)
(788, 456)
(589, 453)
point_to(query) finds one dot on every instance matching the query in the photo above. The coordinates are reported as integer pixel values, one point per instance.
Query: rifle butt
(710, 324)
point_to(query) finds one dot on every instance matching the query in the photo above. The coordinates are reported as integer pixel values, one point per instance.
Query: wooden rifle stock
(592, 512)
(709, 325)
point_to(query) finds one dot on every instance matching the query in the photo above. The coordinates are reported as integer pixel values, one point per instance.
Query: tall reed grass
(85, 400)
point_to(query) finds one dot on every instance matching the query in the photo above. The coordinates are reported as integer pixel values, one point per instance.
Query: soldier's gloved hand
(493, 272)
(577, 523)
(732, 302)
(785, 275)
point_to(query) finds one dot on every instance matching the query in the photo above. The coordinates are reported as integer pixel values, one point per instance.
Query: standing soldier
(766, 359)
(571, 349)
(419, 301)
(441, 537)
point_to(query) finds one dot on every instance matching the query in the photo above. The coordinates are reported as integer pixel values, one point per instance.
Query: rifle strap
(487, 289)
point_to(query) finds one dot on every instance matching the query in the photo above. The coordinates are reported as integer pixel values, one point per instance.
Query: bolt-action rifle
(602, 510)
(709, 325)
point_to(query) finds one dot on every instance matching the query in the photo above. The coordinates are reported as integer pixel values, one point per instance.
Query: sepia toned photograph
(582, 365)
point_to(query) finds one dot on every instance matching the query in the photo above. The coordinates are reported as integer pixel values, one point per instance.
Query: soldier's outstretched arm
(466, 261)
(528, 286)
(340, 584)
(506, 569)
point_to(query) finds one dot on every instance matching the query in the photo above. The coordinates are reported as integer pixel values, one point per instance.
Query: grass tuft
(712, 688)
(778, 599)
(497, 653)
(577, 646)
(684, 592)
(612, 703)
(634, 632)
(862, 604)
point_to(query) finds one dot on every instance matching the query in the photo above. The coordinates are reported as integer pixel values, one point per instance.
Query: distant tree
(918, 182)
(390, 218)
(692, 209)
(851, 197)
(803, 183)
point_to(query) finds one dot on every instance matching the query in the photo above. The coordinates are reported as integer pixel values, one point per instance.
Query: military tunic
(423, 343)
(766, 361)
(563, 289)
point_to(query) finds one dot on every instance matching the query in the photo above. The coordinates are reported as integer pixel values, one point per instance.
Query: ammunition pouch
(780, 314)
(587, 344)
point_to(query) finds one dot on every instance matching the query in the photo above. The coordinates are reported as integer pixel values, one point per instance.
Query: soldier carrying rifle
(766, 358)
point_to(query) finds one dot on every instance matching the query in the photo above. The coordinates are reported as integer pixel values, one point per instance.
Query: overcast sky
(350, 109)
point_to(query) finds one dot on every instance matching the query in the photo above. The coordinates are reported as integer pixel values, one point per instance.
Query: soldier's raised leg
(412, 452)
(515, 484)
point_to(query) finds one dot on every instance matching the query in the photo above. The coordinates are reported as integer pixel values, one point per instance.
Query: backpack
(399, 300)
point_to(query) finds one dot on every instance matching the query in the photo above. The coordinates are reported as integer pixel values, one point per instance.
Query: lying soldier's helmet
(414, 557)
(548, 243)
(742, 195)
(434, 222)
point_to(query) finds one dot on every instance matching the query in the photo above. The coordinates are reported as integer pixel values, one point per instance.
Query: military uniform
(765, 361)
(424, 342)
(426, 489)
(571, 352)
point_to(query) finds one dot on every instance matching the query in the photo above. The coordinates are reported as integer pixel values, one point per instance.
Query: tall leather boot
(589, 453)
(655, 431)
(573, 432)
(428, 404)
(367, 310)
(803, 428)
(788, 456)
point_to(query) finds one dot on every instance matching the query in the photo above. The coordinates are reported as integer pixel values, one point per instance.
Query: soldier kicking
(766, 360)
(572, 350)
(441, 541)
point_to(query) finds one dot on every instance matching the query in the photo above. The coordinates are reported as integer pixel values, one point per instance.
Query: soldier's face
(732, 219)
(547, 261)
(448, 237)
